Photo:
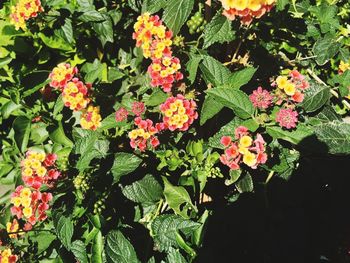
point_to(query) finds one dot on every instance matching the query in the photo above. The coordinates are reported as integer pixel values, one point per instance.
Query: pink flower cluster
(144, 136)
(287, 118)
(261, 98)
(243, 149)
(178, 113)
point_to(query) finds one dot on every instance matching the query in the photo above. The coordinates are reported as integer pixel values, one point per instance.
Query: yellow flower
(249, 159)
(227, 4)
(240, 4)
(282, 81)
(41, 156)
(156, 67)
(27, 172)
(6, 253)
(16, 201)
(27, 212)
(25, 193)
(344, 66)
(254, 5)
(289, 89)
(26, 201)
(133, 134)
(173, 107)
(140, 132)
(36, 164)
(41, 171)
(168, 113)
(245, 141)
(178, 103)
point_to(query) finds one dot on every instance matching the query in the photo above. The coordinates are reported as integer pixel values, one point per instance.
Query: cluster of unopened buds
(156, 41)
(178, 113)
(144, 135)
(289, 91)
(243, 149)
(24, 10)
(38, 169)
(246, 10)
(6, 256)
(75, 94)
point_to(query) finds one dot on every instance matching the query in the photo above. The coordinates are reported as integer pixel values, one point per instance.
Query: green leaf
(153, 6)
(242, 77)
(38, 133)
(217, 30)
(176, 13)
(119, 249)
(245, 184)
(234, 99)
(336, 135)
(325, 49)
(78, 248)
(93, 71)
(21, 127)
(66, 31)
(92, 16)
(213, 71)
(287, 165)
(192, 67)
(8, 108)
(57, 135)
(104, 30)
(44, 240)
(234, 176)
(210, 108)
(165, 227)
(174, 256)
(124, 163)
(147, 190)
(315, 97)
(156, 98)
(281, 4)
(293, 136)
(64, 229)
(178, 199)
(97, 248)
(55, 42)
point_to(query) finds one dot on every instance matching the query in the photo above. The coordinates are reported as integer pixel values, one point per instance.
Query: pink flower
(226, 140)
(138, 108)
(50, 159)
(241, 131)
(298, 97)
(261, 98)
(121, 114)
(287, 118)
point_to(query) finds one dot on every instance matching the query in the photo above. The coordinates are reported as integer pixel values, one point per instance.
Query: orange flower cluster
(246, 10)
(156, 41)
(179, 113)
(24, 10)
(13, 227)
(6, 256)
(75, 95)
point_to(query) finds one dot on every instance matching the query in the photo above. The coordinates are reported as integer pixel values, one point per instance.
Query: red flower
(138, 108)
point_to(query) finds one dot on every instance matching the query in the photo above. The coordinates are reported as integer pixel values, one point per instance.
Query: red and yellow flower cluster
(144, 135)
(75, 95)
(289, 92)
(38, 169)
(178, 113)
(29, 203)
(246, 10)
(6, 256)
(24, 10)
(155, 40)
(243, 149)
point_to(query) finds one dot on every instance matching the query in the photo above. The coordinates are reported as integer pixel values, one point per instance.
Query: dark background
(305, 219)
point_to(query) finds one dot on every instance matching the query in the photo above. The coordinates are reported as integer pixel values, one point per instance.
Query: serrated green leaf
(325, 49)
(293, 136)
(92, 16)
(234, 99)
(209, 109)
(119, 249)
(104, 30)
(336, 135)
(192, 67)
(78, 248)
(165, 227)
(245, 184)
(213, 71)
(178, 199)
(217, 30)
(124, 163)
(57, 135)
(64, 229)
(242, 77)
(147, 190)
(176, 13)
(315, 97)
(174, 256)
(153, 6)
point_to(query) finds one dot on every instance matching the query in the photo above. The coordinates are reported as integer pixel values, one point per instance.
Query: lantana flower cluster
(38, 169)
(144, 135)
(75, 94)
(6, 256)
(243, 149)
(156, 41)
(23, 11)
(289, 91)
(29, 203)
(246, 10)
(178, 113)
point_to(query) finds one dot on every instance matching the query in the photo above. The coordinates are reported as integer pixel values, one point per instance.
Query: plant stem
(269, 177)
